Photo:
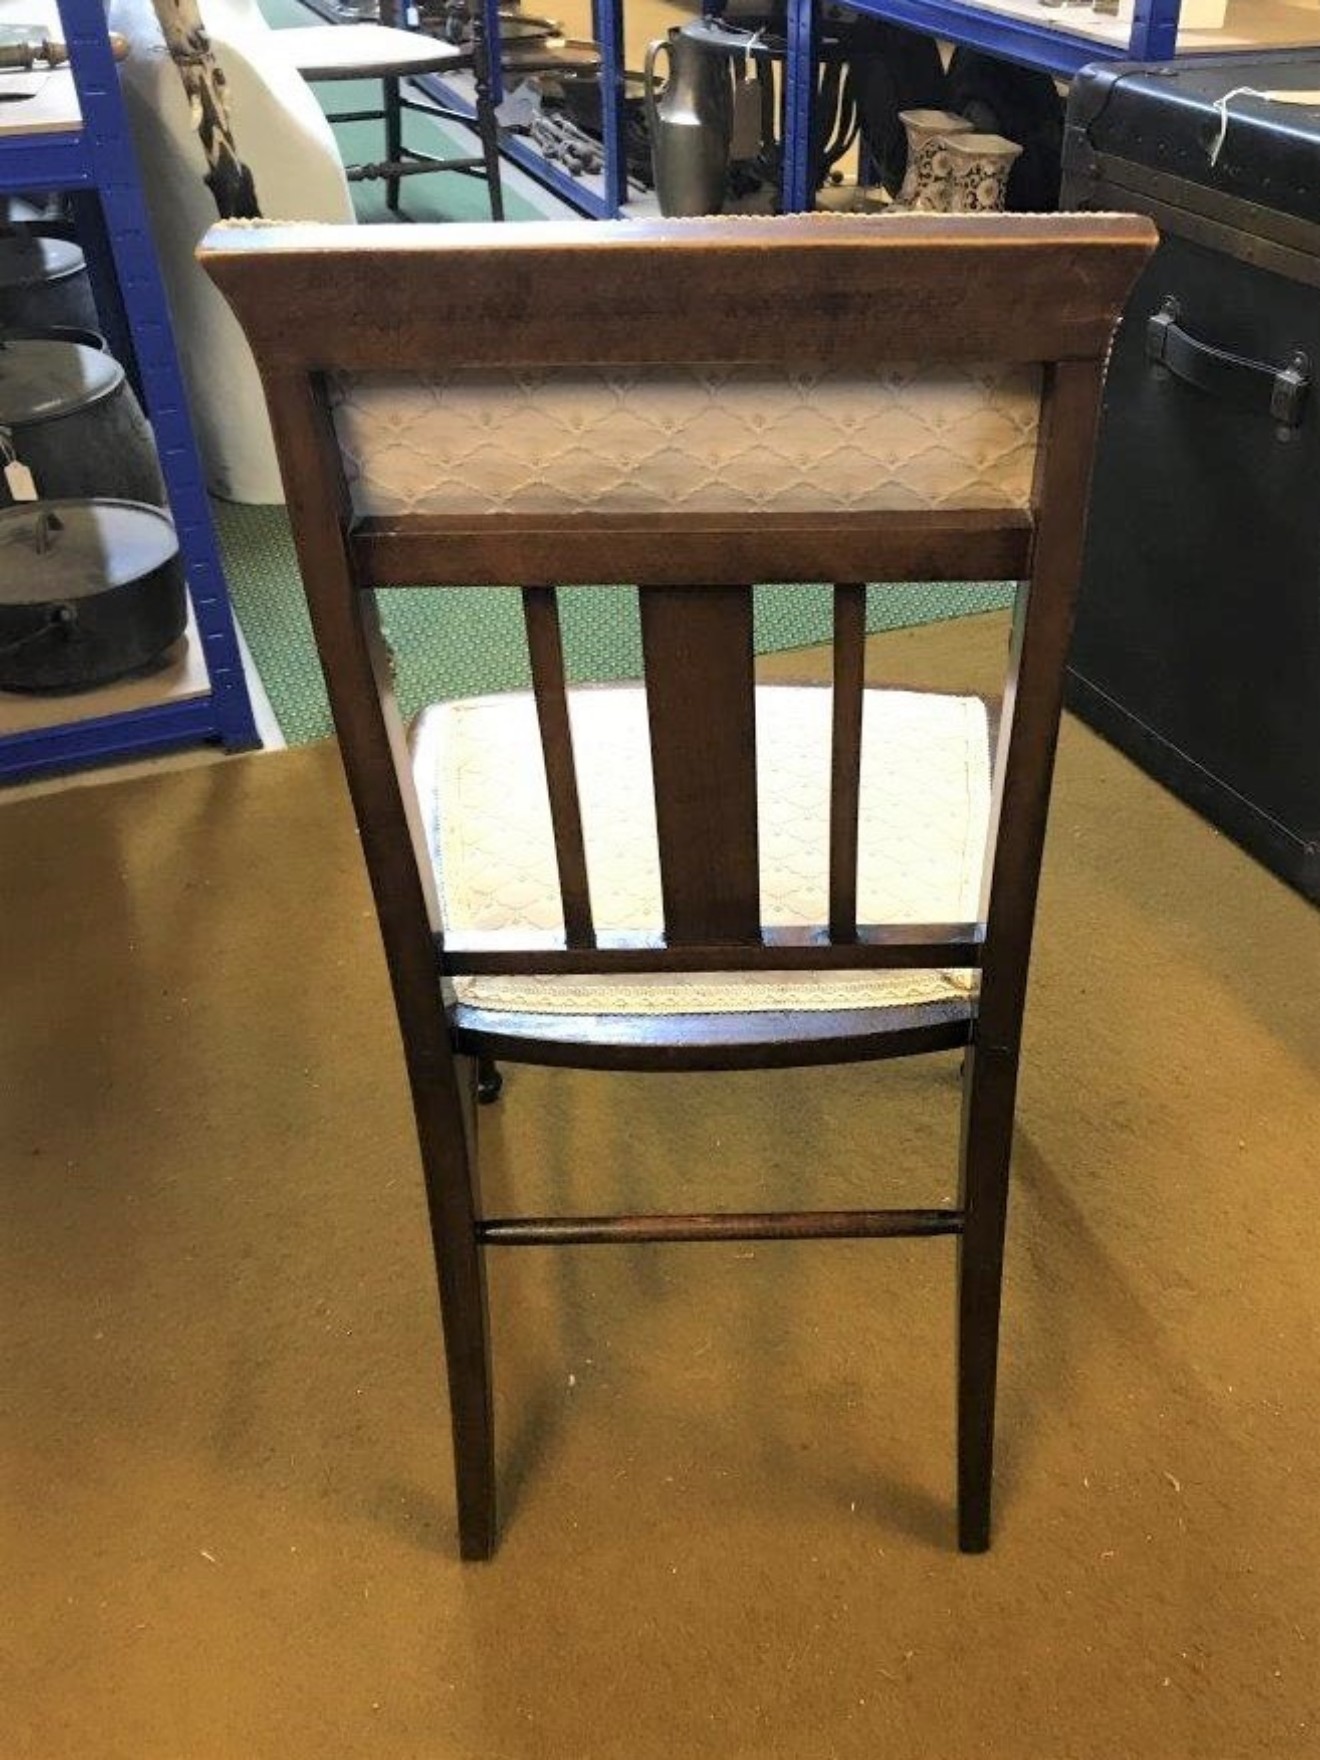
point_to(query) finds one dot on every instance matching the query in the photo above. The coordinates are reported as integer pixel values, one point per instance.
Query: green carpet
(456, 644)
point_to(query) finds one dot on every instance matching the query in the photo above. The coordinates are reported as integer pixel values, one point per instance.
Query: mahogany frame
(836, 292)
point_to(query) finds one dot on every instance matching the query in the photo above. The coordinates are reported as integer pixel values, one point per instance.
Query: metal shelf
(76, 139)
(587, 195)
(1023, 31)
(1057, 42)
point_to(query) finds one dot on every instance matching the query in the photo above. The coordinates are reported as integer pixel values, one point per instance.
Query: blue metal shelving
(1034, 38)
(96, 163)
(1046, 46)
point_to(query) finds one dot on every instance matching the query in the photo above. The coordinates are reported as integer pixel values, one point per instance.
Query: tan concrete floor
(726, 1473)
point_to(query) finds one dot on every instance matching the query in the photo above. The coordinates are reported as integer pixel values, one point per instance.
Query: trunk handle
(1258, 387)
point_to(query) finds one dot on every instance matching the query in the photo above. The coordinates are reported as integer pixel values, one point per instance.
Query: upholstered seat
(925, 792)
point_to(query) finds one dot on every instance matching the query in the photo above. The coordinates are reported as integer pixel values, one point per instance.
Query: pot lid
(56, 333)
(40, 381)
(26, 260)
(54, 550)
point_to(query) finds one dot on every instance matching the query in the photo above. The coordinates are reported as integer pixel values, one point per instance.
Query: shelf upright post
(607, 26)
(803, 24)
(1154, 30)
(114, 179)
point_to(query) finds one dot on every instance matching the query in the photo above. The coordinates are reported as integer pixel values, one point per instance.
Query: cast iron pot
(68, 413)
(44, 281)
(89, 590)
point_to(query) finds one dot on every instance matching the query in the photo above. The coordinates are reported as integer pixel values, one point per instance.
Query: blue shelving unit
(1027, 34)
(1049, 46)
(1045, 45)
(94, 160)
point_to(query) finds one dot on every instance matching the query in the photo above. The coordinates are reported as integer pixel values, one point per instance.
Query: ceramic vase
(925, 182)
(980, 164)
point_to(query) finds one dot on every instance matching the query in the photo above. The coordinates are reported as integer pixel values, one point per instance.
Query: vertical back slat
(846, 756)
(545, 650)
(700, 689)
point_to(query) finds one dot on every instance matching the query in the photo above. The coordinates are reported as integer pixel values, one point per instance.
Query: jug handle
(648, 68)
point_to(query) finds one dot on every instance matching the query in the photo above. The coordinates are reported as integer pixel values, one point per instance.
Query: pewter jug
(690, 121)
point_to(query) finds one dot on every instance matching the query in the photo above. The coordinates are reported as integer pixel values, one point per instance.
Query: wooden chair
(390, 54)
(407, 399)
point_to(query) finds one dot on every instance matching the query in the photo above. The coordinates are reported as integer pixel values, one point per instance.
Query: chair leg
(448, 1146)
(490, 1083)
(989, 1089)
(393, 142)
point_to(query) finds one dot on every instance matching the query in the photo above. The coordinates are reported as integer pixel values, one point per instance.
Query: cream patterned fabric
(925, 792)
(702, 440)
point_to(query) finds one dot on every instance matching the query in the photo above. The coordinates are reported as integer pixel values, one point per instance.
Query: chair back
(690, 407)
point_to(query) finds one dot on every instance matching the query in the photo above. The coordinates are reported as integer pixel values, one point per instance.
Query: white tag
(20, 481)
(746, 142)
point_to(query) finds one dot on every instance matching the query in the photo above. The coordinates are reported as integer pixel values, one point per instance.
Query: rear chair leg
(448, 1147)
(490, 1083)
(989, 1087)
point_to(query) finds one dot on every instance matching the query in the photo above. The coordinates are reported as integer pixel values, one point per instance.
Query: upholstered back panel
(705, 440)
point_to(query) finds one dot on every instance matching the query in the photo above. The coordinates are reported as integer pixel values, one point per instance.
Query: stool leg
(393, 141)
(487, 128)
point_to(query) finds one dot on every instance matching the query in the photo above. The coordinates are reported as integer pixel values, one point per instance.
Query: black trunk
(1198, 638)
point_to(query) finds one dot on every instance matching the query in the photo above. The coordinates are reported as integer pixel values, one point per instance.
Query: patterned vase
(980, 167)
(925, 182)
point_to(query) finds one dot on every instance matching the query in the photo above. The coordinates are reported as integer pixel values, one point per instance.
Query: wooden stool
(328, 52)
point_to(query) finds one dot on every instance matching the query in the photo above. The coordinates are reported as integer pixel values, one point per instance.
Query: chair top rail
(796, 292)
